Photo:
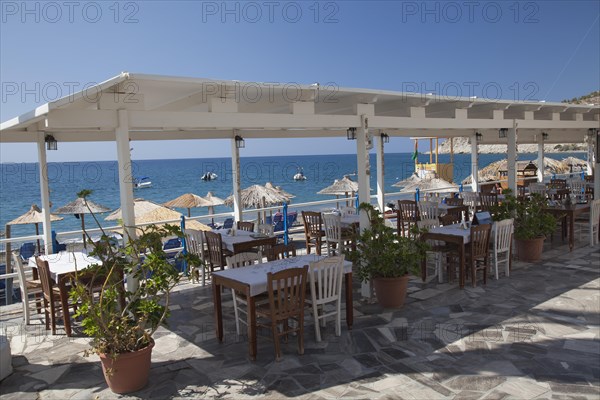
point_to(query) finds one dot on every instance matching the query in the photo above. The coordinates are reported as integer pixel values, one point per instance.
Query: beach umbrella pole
(37, 232)
(184, 242)
(82, 216)
(285, 224)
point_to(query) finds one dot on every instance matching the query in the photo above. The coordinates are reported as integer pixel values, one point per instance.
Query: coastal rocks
(461, 145)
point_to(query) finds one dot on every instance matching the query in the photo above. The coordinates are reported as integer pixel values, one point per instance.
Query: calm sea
(19, 187)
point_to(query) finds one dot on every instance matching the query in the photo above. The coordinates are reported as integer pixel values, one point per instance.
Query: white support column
(591, 155)
(44, 192)
(364, 178)
(380, 175)
(596, 159)
(235, 167)
(126, 184)
(474, 164)
(512, 159)
(540, 158)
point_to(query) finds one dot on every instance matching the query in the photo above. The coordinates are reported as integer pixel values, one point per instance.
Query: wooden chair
(471, 199)
(237, 261)
(29, 285)
(538, 188)
(454, 201)
(281, 251)
(325, 277)
(265, 229)
(245, 226)
(449, 219)
(557, 184)
(477, 252)
(287, 295)
(195, 245)
(502, 245)
(428, 209)
(560, 194)
(313, 230)
(51, 296)
(408, 215)
(216, 254)
(437, 248)
(335, 236)
(488, 201)
(592, 225)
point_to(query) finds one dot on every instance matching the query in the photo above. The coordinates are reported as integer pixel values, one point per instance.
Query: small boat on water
(300, 175)
(209, 176)
(143, 182)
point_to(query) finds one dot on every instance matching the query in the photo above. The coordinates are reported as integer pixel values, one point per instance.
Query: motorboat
(300, 175)
(209, 176)
(143, 182)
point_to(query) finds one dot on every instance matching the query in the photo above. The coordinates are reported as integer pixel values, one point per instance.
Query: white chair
(325, 279)
(265, 229)
(335, 236)
(28, 286)
(502, 232)
(538, 188)
(592, 225)
(348, 210)
(470, 199)
(428, 209)
(194, 241)
(577, 186)
(437, 247)
(243, 260)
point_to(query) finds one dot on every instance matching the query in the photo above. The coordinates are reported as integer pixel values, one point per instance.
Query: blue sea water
(19, 186)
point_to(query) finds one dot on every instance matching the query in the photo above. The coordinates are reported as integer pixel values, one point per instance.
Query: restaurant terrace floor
(534, 335)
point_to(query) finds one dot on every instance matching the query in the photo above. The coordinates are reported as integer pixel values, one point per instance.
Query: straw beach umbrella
(33, 216)
(412, 179)
(492, 171)
(341, 187)
(213, 201)
(146, 211)
(258, 196)
(431, 185)
(189, 201)
(79, 207)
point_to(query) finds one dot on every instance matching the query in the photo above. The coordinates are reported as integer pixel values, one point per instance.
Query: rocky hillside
(591, 99)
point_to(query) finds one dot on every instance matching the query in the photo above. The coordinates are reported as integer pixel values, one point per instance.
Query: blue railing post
(553, 176)
(285, 224)
(183, 242)
(417, 194)
(356, 204)
(54, 243)
(583, 175)
(461, 188)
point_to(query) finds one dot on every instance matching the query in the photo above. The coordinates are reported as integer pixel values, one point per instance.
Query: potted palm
(532, 223)
(387, 259)
(121, 322)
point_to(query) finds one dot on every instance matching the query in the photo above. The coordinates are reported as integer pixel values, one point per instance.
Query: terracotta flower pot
(128, 371)
(530, 250)
(391, 292)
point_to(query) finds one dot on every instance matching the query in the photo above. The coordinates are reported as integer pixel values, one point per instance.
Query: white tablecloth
(240, 237)
(65, 262)
(454, 230)
(256, 275)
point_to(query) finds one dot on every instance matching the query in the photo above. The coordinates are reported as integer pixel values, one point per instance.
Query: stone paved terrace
(534, 335)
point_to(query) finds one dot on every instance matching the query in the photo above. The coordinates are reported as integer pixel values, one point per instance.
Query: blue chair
(228, 224)
(173, 257)
(269, 220)
(27, 250)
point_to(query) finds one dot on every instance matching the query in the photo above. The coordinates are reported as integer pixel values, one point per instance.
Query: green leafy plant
(531, 220)
(380, 253)
(119, 320)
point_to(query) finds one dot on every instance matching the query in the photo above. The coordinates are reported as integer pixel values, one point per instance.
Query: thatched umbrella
(33, 216)
(431, 185)
(412, 179)
(571, 162)
(146, 211)
(258, 196)
(79, 207)
(492, 171)
(189, 201)
(341, 187)
(279, 191)
(212, 201)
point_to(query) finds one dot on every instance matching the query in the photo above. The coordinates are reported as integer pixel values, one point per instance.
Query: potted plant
(532, 223)
(121, 322)
(387, 259)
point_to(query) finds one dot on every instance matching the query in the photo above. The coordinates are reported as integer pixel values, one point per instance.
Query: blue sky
(542, 50)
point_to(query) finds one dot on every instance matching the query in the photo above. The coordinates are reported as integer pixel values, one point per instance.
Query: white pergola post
(380, 175)
(235, 167)
(474, 163)
(596, 159)
(126, 184)
(540, 158)
(364, 175)
(45, 193)
(512, 159)
(591, 155)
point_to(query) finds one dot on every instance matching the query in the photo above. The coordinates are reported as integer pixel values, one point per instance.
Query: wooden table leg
(461, 267)
(349, 300)
(251, 321)
(216, 288)
(64, 301)
(571, 231)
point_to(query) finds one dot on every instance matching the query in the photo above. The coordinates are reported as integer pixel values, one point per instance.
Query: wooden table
(252, 281)
(244, 241)
(569, 212)
(62, 267)
(450, 234)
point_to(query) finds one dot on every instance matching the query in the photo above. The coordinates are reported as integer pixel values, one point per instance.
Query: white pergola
(134, 106)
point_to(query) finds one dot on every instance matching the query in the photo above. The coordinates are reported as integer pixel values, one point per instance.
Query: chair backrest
(488, 200)
(228, 223)
(576, 186)
(333, 227)
(291, 218)
(244, 259)
(245, 226)
(313, 223)
(214, 243)
(538, 188)
(265, 229)
(325, 277)
(480, 241)
(503, 234)
(557, 184)
(27, 250)
(287, 289)
(449, 219)
(428, 223)
(428, 209)
(281, 251)
(408, 215)
(172, 244)
(454, 201)
(348, 210)
(194, 241)
(595, 212)
(45, 279)
(21, 271)
(471, 199)
(560, 194)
